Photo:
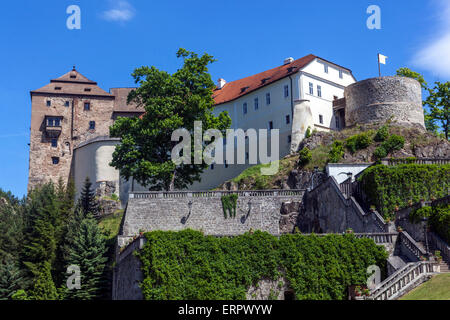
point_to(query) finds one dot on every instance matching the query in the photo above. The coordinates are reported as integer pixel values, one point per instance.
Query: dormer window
(58, 88)
(73, 76)
(87, 89)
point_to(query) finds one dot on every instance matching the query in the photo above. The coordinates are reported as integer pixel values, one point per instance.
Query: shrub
(308, 132)
(393, 143)
(337, 152)
(380, 152)
(187, 265)
(305, 156)
(359, 141)
(438, 219)
(417, 215)
(382, 134)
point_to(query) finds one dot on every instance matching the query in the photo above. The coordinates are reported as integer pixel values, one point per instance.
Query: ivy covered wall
(188, 265)
(388, 187)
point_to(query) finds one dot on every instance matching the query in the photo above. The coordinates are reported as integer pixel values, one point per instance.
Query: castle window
(49, 103)
(286, 91)
(325, 68)
(270, 125)
(226, 164)
(87, 89)
(321, 118)
(87, 106)
(341, 74)
(53, 122)
(288, 119)
(55, 160)
(247, 156)
(319, 91)
(289, 138)
(67, 103)
(54, 143)
(245, 108)
(212, 166)
(268, 98)
(57, 88)
(337, 122)
(311, 88)
(91, 125)
(256, 104)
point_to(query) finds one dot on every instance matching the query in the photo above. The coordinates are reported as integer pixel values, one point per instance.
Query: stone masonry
(257, 210)
(62, 114)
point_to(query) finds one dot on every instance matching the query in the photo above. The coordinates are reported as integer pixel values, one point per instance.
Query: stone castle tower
(68, 111)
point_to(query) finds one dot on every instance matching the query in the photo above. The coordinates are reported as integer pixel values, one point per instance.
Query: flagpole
(379, 66)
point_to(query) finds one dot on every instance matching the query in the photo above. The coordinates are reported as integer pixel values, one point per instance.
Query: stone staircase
(444, 267)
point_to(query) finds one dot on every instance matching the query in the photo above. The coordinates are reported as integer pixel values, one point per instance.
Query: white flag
(382, 59)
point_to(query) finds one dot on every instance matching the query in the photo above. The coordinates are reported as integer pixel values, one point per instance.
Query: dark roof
(72, 83)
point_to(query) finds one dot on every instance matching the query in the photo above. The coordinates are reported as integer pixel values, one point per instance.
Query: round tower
(377, 100)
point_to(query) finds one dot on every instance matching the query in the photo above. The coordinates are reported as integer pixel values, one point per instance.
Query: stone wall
(327, 210)
(269, 211)
(377, 100)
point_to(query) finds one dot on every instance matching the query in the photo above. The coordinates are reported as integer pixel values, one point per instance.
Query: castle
(71, 117)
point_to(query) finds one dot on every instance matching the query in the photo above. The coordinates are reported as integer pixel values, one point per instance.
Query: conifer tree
(87, 250)
(43, 286)
(87, 201)
(11, 277)
(66, 203)
(40, 240)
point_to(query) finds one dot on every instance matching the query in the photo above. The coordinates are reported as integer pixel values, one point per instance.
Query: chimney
(221, 83)
(288, 60)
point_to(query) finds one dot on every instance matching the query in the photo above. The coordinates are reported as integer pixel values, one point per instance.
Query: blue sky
(246, 37)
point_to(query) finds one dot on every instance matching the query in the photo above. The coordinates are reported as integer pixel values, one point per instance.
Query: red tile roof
(241, 87)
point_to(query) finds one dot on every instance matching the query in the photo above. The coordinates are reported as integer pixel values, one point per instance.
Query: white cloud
(120, 11)
(434, 55)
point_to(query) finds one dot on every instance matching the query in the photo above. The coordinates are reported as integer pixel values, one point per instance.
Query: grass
(111, 224)
(438, 288)
(252, 177)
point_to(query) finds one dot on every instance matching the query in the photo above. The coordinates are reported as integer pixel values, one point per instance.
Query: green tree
(87, 251)
(406, 72)
(439, 105)
(87, 201)
(41, 213)
(171, 101)
(11, 277)
(65, 195)
(43, 286)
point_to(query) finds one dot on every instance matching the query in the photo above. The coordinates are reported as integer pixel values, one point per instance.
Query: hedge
(388, 187)
(438, 219)
(187, 265)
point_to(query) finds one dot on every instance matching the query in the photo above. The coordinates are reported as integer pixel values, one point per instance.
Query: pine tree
(87, 201)
(65, 197)
(42, 223)
(43, 286)
(88, 252)
(11, 277)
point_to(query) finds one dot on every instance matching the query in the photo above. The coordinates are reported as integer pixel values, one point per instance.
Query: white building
(291, 97)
